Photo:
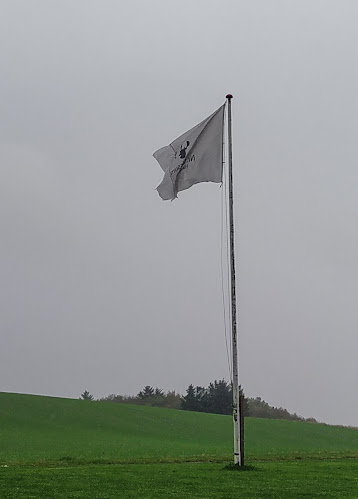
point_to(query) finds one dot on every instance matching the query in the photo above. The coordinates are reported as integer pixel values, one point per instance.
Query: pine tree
(86, 396)
(146, 393)
(190, 402)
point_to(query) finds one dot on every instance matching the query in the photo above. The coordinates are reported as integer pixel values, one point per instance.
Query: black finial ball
(229, 96)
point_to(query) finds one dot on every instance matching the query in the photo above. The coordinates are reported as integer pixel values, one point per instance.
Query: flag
(196, 156)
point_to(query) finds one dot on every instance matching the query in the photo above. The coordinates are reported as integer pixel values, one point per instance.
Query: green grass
(63, 448)
(37, 429)
(309, 479)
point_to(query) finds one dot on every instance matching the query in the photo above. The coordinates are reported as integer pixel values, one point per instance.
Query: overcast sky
(106, 287)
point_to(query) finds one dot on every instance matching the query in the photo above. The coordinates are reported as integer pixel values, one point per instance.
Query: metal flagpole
(238, 451)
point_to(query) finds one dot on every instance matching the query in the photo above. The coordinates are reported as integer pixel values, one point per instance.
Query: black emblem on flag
(182, 152)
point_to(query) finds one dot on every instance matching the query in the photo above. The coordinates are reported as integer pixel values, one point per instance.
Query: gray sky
(107, 288)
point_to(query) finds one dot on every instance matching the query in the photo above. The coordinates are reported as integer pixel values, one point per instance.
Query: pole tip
(229, 96)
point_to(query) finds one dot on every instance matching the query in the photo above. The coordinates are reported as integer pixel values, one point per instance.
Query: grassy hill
(37, 429)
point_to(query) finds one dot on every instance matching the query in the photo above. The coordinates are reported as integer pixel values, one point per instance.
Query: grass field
(51, 447)
(286, 479)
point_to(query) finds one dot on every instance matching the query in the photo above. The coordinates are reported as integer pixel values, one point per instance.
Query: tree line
(215, 398)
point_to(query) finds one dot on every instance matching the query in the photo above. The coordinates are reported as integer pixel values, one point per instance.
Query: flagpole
(238, 451)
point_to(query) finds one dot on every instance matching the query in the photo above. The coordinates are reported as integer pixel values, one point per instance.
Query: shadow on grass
(235, 467)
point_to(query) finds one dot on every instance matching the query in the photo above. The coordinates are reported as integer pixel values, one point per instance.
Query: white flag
(196, 156)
